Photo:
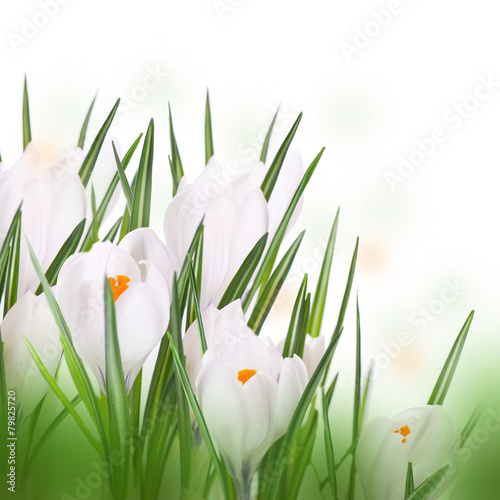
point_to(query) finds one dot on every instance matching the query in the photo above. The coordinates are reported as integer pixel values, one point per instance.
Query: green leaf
(318, 306)
(364, 399)
(139, 216)
(196, 300)
(409, 486)
(101, 211)
(60, 395)
(73, 360)
(181, 371)
(175, 158)
(26, 116)
(209, 143)
(91, 157)
(301, 330)
(330, 456)
(13, 269)
(272, 253)
(239, 283)
(425, 490)
(273, 286)
(294, 319)
(446, 376)
(272, 174)
(123, 179)
(83, 132)
(116, 397)
(471, 424)
(5, 250)
(298, 417)
(111, 235)
(265, 146)
(68, 248)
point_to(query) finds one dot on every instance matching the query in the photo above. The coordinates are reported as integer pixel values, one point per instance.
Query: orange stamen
(245, 375)
(404, 431)
(118, 285)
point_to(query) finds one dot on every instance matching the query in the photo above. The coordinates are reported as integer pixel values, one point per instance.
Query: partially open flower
(425, 436)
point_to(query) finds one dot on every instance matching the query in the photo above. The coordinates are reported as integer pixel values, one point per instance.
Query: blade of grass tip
(26, 116)
(123, 179)
(272, 174)
(424, 490)
(60, 395)
(90, 159)
(13, 269)
(111, 234)
(83, 131)
(184, 418)
(294, 319)
(216, 461)
(73, 360)
(175, 158)
(139, 216)
(331, 389)
(273, 286)
(471, 424)
(239, 283)
(209, 143)
(101, 211)
(268, 262)
(318, 306)
(345, 299)
(196, 301)
(330, 456)
(68, 248)
(116, 397)
(446, 376)
(409, 485)
(267, 140)
(298, 417)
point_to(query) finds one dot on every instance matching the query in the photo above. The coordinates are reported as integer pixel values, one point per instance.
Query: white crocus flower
(141, 297)
(53, 203)
(30, 317)
(235, 214)
(248, 394)
(425, 436)
(314, 349)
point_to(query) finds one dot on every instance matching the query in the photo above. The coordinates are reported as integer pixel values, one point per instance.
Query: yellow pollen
(404, 431)
(118, 285)
(245, 375)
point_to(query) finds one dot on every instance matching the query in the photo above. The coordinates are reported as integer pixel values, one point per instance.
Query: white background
(439, 225)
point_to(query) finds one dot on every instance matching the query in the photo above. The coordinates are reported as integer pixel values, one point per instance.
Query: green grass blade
(60, 395)
(318, 306)
(301, 330)
(364, 399)
(409, 484)
(68, 248)
(91, 157)
(88, 241)
(273, 286)
(116, 397)
(471, 424)
(5, 250)
(446, 376)
(111, 234)
(83, 131)
(26, 116)
(294, 319)
(424, 490)
(175, 158)
(330, 456)
(209, 142)
(139, 216)
(123, 179)
(331, 389)
(357, 387)
(13, 269)
(267, 140)
(298, 417)
(272, 174)
(239, 283)
(73, 360)
(180, 370)
(196, 301)
(272, 253)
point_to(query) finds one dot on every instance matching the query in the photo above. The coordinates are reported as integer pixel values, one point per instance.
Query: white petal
(314, 349)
